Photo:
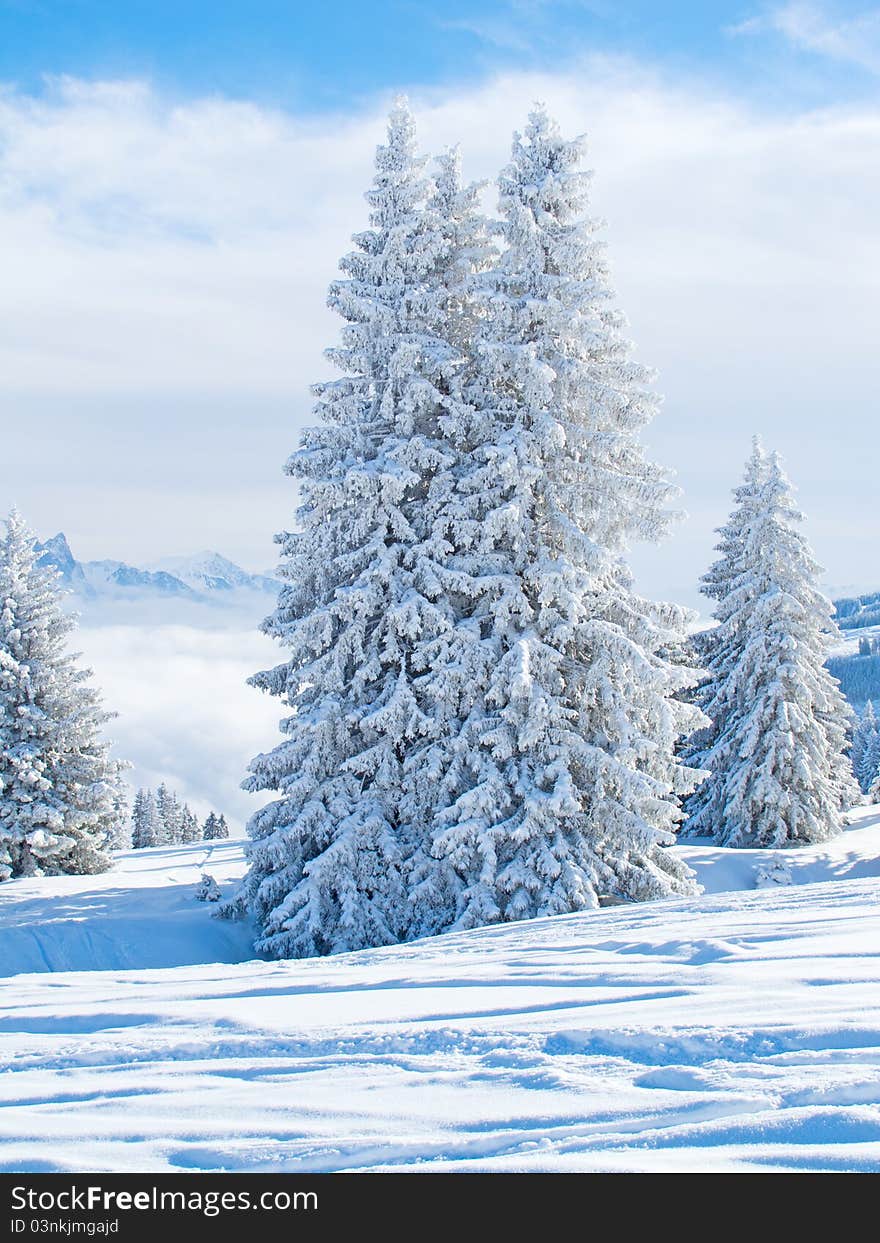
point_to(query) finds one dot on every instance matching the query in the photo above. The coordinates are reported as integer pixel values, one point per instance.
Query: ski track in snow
(736, 1031)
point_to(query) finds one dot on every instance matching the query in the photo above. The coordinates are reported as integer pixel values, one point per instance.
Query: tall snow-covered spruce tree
(61, 799)
(776, 747)
(326, 857)
(558, 785)
(485, 714)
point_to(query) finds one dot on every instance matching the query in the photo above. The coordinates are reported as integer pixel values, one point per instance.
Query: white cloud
(810, 27)
(165, 266)
(186, 714)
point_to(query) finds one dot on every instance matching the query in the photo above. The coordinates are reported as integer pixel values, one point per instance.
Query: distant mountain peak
(204, 577)
(212, 572)
(56, 551)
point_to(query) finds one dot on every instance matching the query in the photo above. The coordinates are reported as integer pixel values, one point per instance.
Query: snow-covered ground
(142, 913)
(739, 1030)
(848, 644)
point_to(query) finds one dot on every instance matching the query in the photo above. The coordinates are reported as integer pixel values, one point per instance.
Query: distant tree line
(858, 611)
(859, 676)
(160, 818)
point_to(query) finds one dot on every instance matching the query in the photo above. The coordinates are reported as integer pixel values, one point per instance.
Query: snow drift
(735, 1031)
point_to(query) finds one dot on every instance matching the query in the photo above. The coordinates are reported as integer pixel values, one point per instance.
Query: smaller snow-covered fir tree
(189, 826)
(874, 787)
(776, 749)
(207, 889)
(718, 650)
(120, 838)
(865, 741)
(146, 827)
(170, 814)
(870, 766)
(773, 873)
(61, 797)
(215, 829)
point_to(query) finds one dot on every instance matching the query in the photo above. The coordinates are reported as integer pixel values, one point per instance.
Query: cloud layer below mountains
(186, 715)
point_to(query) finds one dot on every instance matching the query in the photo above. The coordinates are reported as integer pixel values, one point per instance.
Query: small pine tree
(189, 826)
(121, 837)
(874, 787)
(216, 829)
(146, 827)
(170, 814)
(776, 748)
(716, 649)
(864, 735)
(870, 765)
(61, 799)
(207, 889)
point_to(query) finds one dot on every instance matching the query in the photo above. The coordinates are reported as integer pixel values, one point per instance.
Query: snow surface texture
(736, 1031)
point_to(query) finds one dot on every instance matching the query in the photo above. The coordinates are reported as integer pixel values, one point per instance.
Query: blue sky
(178, 181)
(319, 56)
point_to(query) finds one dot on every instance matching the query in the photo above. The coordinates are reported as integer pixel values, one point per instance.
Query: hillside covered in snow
(858, 612)
(734, 1031)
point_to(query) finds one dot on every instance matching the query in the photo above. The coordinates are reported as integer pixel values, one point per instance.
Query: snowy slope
(739, 1030)
(854, 855)
(140, 914)
(857, 612)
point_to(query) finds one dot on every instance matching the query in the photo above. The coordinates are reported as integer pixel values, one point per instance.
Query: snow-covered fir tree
(170, 814)
(718, 649)
(215, 828)
(326, 856)
(120, 838)
(870, 765)
(864, 736)
(190, 830)
(207, 889)
(146, 827)
(776, 749)
(61, 796)
(449, 666)
(558, 785)
(874, 787)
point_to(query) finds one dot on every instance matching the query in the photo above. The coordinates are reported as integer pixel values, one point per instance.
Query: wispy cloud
(165, 265)
(525, 26)
(813, 28)
(186, 713)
